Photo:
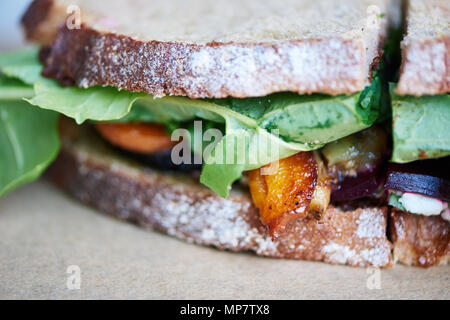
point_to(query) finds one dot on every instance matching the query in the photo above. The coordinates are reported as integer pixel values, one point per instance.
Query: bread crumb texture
(426, 49)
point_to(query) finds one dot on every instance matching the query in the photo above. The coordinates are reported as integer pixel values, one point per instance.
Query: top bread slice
(212, 49)
(426, 49)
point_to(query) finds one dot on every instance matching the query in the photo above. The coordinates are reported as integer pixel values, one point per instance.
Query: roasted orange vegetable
(286, 194)
(136, 137)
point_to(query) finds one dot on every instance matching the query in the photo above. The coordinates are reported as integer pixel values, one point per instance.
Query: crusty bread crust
(425, 66)
(419, 240)
(86, 57)
(176, 204)
(214, 70)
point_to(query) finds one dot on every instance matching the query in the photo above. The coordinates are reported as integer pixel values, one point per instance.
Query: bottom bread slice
(420, 240)
(178, 205)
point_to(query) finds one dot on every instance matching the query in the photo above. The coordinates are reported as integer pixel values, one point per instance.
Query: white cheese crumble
(419, 204)
(446, 215)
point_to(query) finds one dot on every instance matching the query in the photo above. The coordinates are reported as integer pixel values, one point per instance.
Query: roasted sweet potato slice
(286, 194)
(136, 137)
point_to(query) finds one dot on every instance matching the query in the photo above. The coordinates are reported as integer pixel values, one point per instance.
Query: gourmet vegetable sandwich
(294, 129)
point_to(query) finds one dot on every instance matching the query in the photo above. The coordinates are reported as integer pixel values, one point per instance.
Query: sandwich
(421, 131)
(248, 126)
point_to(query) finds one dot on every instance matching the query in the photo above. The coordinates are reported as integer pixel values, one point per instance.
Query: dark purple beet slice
(427, 177)
(365, 184)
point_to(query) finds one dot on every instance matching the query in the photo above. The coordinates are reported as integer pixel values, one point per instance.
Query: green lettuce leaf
(96, 103)
(29, 138)
(394, 200)
(24, 65)
(29, 143)
(310, 119)
(272, 127)
(302, 123)
(12, 89)
(248, 149)
(420, 127)
(100, 104)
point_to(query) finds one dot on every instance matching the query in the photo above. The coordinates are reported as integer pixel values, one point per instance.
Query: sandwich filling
(296, 152)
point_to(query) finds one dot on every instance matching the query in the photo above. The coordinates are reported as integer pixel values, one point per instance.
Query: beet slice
(427, 177)
(365, 184)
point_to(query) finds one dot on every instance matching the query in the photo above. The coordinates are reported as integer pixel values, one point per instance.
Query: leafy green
(24, 65)
(314, 119)
(243, 136)
(29, 143)
(140, 113)
(368, 106)
(420, 127)
(28, 136)
(12, 89)
(260, 129)
(244, 149)
(302, 122)
(94, 103)
(394, 200)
